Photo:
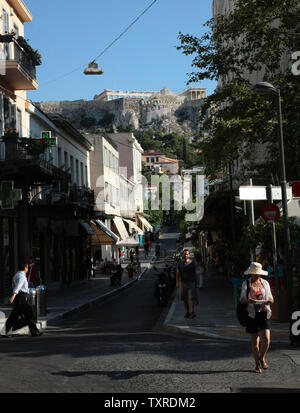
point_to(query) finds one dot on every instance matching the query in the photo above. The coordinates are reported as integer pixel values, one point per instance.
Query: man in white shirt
(21, 306)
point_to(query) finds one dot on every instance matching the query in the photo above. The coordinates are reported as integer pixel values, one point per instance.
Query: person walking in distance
(146, 250)
(19, 300)
(157, 251)
(258, 299)
(32, 275)
(187, 281)
(200, 270)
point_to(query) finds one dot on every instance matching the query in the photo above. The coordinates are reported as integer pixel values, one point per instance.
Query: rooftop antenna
(93, 69)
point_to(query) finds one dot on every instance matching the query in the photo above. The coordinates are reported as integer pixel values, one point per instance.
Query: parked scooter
(163, 287)
(171, 273)
(177, 257)
(116, 272)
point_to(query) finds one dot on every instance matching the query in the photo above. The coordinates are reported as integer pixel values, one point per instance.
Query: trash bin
(32, 301)
(41, 300)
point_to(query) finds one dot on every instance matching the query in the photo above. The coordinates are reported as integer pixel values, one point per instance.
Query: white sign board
(257, 193)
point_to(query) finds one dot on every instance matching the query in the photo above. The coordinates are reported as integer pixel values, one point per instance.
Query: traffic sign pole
(274, 255)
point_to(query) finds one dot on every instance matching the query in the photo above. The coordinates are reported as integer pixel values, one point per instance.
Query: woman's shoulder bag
(241, 310)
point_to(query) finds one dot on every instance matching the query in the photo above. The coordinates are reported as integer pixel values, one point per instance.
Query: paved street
(119, 346)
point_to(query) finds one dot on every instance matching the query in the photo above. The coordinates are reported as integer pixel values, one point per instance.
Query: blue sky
(71, 33)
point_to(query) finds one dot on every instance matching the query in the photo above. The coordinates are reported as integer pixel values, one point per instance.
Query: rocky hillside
(160, 113)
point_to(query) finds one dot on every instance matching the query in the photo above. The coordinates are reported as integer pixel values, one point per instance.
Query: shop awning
(121, 228)
(132, 225)
(102, 235)
(129, 243)
(145, 222)
(85, 225)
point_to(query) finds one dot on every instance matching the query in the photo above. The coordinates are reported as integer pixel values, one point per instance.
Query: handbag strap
(248, 288)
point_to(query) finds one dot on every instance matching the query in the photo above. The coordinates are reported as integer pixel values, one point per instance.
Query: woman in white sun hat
(259, 312)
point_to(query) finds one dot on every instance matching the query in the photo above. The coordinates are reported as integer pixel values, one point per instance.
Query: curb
(95, 301)
(43, 323)
(190, 331)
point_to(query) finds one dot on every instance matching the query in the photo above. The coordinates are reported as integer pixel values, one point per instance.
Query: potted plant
(131, 269)
(34, 53)
(6, 38)
(10, 132)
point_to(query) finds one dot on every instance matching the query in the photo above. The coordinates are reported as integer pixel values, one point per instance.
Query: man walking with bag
(19, 300)
(186, 279)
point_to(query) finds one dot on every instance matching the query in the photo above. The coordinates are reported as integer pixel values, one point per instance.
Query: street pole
(286, 231)
(252, 253)
(274, 256)
(232, 210)
(265, 88)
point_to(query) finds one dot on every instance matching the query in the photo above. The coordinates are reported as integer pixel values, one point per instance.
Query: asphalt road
(119, 347)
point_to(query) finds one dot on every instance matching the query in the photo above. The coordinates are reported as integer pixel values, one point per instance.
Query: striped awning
(145, 222)
(123, 234)
(86, 226)
(132, 225)
(103, 235)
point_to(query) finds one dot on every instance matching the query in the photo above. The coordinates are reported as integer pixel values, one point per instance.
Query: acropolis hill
(172, 112)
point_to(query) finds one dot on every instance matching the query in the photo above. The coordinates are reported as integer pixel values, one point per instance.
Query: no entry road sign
(270, 212)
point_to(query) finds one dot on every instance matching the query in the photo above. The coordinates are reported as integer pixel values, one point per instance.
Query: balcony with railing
(22, 162)
(18, 68)
(81, 196)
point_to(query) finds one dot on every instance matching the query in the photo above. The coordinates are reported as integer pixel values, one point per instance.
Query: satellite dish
(93, 69)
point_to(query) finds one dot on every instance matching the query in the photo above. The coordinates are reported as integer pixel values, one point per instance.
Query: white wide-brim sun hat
(255, 268)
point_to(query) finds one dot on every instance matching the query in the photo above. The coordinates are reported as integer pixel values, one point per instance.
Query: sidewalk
(63, 300)
(215, 315)
(215, 312)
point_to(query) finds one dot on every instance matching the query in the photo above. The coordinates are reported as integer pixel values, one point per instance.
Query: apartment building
(111, 194)
(18, 64)
(131, 167)
(159, 162)
(41, 212)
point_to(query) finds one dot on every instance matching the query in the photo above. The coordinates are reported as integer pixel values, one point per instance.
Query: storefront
(7, 254)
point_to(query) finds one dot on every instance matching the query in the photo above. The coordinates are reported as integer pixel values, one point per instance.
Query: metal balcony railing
(81, 195)
(26, 61)
(21, 52)
(21, 148)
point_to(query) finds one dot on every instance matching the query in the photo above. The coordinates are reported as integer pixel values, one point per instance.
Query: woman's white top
(267, 297)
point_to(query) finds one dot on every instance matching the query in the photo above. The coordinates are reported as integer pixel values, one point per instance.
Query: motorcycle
(116, 272)
(163, 287)
(171, 273)
(177, 257)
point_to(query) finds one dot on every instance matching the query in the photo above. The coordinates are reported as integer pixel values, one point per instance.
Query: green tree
(260, 234)
(245, 41)
(107, 121)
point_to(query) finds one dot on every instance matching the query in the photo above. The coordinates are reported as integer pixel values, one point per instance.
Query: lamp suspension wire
(107, 47)
(124, 31)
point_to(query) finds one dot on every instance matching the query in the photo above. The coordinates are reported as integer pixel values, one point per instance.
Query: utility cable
(106, 48)
(127, 28)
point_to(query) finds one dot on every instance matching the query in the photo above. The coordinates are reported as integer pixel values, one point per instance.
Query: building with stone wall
(109, 94)
(130, 108)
